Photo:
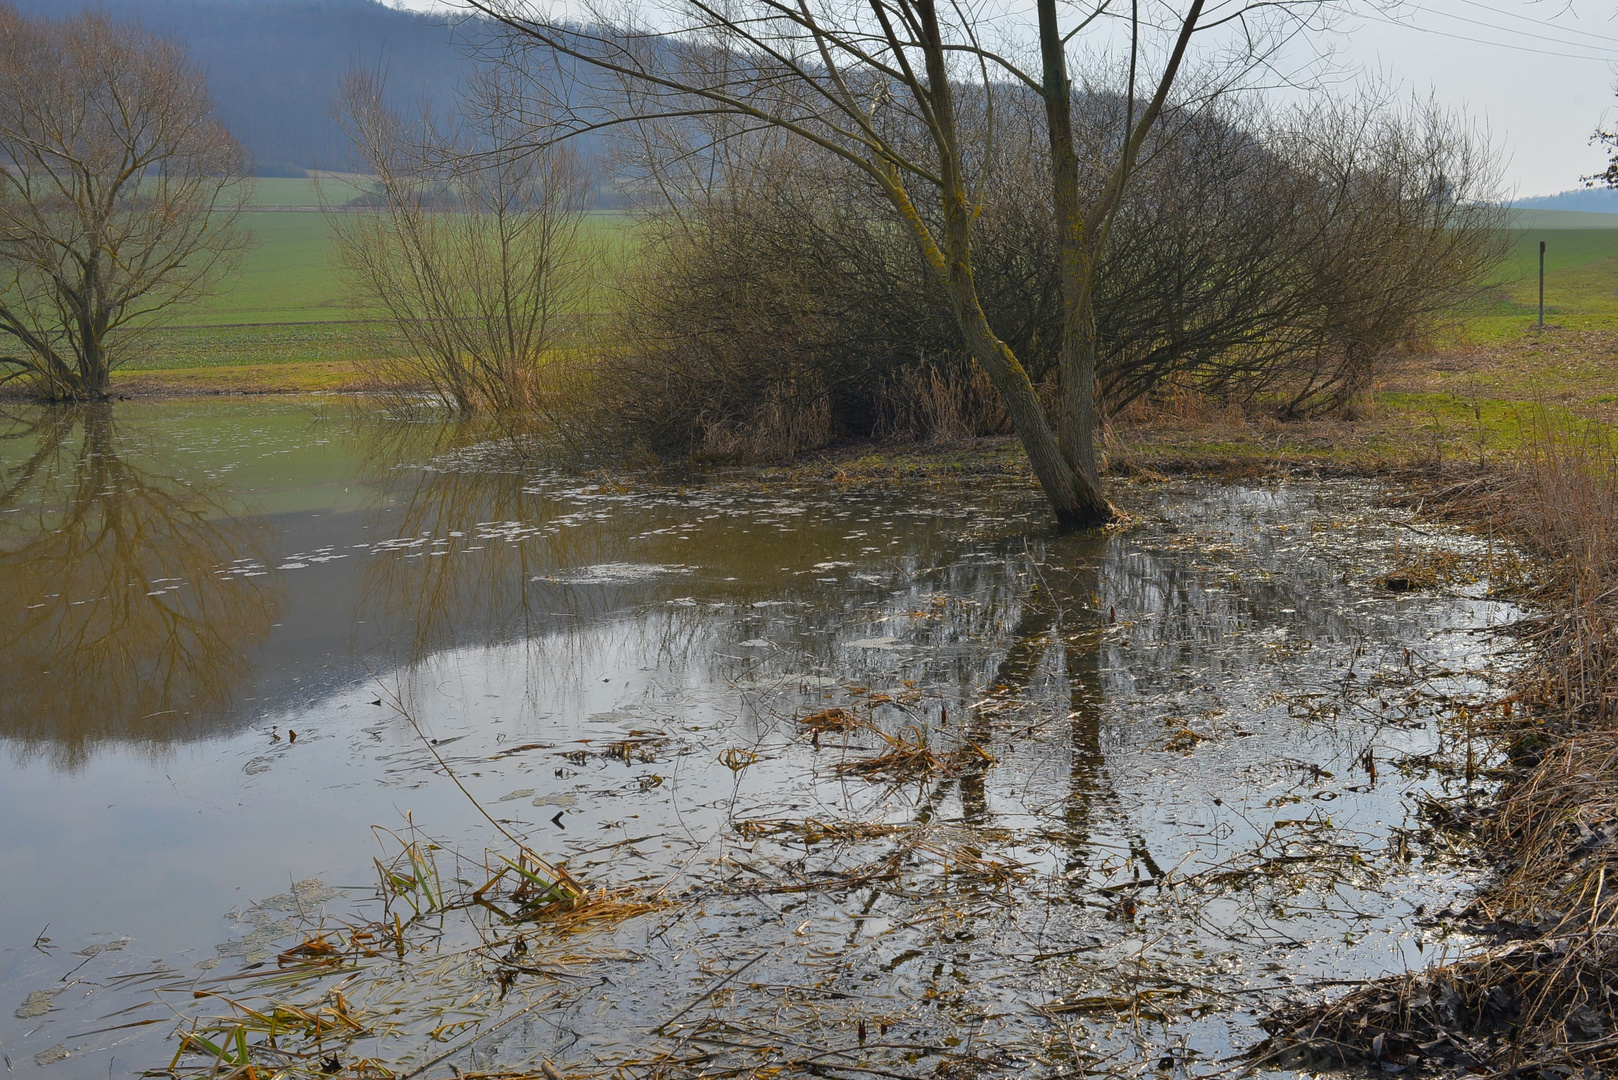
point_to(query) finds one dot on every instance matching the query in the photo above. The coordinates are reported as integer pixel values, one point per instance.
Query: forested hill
(273, 65)
(1589, 200)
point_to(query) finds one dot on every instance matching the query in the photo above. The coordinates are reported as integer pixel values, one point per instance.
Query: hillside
(1583, 200)
(274, 65)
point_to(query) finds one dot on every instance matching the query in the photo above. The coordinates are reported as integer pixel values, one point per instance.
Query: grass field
(288, 322)
(289, 275)
(1581, 283)
(328, 190)
(171, 348)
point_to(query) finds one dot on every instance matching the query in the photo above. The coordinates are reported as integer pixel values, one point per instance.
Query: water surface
(1179, 760)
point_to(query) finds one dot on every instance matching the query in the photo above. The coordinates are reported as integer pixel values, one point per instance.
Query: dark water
(1157, 817)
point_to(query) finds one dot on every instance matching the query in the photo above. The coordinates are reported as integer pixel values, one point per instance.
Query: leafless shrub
(1275, 260)
(1287, 259)
(119, 190)
(1404, 226)
(727, 346)
(474, 251)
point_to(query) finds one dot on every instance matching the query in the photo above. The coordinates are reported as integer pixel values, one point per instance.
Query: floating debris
(910, 757)
(924, 819)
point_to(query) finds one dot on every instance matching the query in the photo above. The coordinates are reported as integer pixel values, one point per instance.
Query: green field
(1581, 278)
(1561, 219)
(328, 190)
(289, 305)
(173, 348)
(290, 273)
(289, 276)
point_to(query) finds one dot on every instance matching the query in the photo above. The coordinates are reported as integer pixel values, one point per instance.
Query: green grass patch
(1581, 284)
(181, 347)
(278, 378)
(1490, 424)
(1448, 426)
(289, 191)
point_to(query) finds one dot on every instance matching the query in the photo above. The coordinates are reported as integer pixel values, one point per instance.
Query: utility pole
(1542, 284)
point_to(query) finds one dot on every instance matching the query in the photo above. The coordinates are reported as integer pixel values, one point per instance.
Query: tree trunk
(93, 367)
(1076, 500)
(1022, 403)
(92, 380)
(1076, 418)
(995, 358)
(1076, 406)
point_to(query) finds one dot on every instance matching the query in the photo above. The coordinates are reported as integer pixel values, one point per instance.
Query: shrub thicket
(1266, 258)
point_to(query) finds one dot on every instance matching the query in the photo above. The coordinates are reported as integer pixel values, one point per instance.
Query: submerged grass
(910, 756)
(331, 991)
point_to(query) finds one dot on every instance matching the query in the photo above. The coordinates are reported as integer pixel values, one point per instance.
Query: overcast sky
(1538, 75)
(1540, 106)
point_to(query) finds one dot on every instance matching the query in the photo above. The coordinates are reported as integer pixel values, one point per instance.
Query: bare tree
(118, 192)
(885, 85)
(473, 253)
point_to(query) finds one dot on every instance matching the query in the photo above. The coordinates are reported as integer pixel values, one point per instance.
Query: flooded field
(300, 712)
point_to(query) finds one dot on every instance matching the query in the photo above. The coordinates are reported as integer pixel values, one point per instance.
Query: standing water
(770, 777)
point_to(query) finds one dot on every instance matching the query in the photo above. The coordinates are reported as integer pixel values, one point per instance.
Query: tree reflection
(1055, 645)
(465, 487)
(482, 548)
(120, 616)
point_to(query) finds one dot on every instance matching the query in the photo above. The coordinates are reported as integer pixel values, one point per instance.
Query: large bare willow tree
(118, 192)
(906, 91)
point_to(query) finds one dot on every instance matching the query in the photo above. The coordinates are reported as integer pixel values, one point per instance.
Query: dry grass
(830, 720)
(815, 831)
(924, 403)
(909, 756)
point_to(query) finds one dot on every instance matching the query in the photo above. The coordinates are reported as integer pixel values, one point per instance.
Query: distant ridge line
(1579, 200)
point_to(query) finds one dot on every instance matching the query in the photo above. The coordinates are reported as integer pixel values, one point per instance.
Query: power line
(1496, 44)
(1502, 29)
(1537, 22)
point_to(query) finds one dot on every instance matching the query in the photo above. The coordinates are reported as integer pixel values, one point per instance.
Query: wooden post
(1542, 284)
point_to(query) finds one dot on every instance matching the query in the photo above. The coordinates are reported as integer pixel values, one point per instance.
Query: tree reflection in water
(120, 617)
(472, 588)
